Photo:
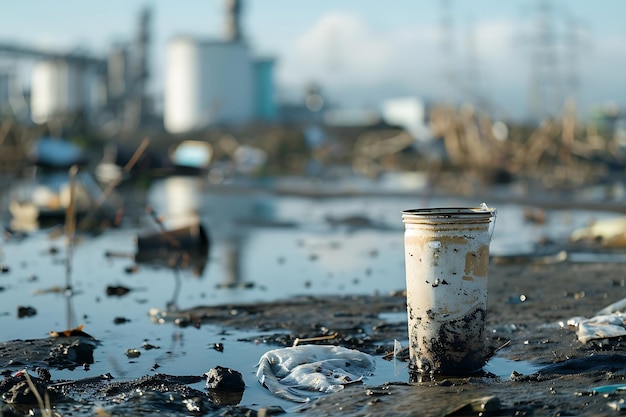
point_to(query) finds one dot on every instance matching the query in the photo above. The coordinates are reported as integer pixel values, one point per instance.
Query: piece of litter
(608, 389)
(601, 327)
(397, 348)
(296, 373)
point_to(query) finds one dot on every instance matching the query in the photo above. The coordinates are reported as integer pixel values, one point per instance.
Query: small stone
(133, 353)
(273, 410)
(224, 379)
(25, 311)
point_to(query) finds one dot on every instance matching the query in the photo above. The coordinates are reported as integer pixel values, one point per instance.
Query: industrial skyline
(363, 52)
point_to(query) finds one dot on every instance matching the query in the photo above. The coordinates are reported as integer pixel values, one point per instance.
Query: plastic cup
(447, 260)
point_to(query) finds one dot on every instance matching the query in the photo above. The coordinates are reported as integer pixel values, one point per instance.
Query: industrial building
(208, 82)
(66, 85)
(61, 88)
(216, 82)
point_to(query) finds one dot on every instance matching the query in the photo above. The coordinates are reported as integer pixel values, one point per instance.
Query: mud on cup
(447, 260)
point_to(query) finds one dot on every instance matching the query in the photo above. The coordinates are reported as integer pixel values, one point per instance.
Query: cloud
(340, 48)
(359, 64)
(348, 57)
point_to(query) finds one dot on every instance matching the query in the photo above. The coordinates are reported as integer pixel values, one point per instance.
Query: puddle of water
(394, 317)
(499, 366)
(502, 367)
(247, 264)
(590, 257)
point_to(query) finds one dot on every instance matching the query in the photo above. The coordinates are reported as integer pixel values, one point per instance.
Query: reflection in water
(182, 248)
(42, 200)
(232, 263)
(187, 247)
(182, 241)
(182, 200)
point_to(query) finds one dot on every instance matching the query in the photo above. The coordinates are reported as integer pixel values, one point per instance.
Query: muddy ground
(526, 304)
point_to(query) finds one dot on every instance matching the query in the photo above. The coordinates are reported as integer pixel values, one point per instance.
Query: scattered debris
(608, 323)
(57, 289)
(25, 311)
(295, 373)
(609, 233)
(78, 331)
(331, 336)
(225, 386)
(182, 248)
(133, 353)
(117, 290)
(619, 405)
(608, 389)
(148, 346)
(530, 259)
(478, 406)
(23, 388)
(224, 379)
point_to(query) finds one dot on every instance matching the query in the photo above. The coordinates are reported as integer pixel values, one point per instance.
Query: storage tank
(265, 101)
(207, 83)
(49, 90)
(60, 88)
(181, 103)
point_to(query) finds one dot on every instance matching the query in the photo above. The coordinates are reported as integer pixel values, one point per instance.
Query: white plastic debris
(608, 323)
(603, 326)
(297, 373)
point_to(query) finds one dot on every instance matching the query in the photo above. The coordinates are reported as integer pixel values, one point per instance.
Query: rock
(225, 386)
(224, 379)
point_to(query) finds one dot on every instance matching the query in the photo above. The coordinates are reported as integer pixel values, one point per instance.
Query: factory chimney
(233, 20)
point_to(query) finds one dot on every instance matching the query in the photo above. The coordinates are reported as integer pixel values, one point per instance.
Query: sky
(363, 51)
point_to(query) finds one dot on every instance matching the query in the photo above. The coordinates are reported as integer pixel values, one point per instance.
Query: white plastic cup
(447, 260)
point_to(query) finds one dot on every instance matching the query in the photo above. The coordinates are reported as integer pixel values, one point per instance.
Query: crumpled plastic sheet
(299, 373)
(610, 322)
(604, 326)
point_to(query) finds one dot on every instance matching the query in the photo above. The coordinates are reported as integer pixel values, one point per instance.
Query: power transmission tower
(234, 32)
(448, 75)
(473, 81)
(572, 44)
(546, 92)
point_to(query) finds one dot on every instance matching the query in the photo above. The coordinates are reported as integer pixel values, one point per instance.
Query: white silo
(207, 83)
(60, 88)
(49, 90)
(182, 105)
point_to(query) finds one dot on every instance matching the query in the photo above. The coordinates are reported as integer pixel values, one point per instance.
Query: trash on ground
(608, 323)
(602, 327)
(78, 331)
(609, 233)
(477, 406)
(608, 389)
(530, 258)
(296, 373)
